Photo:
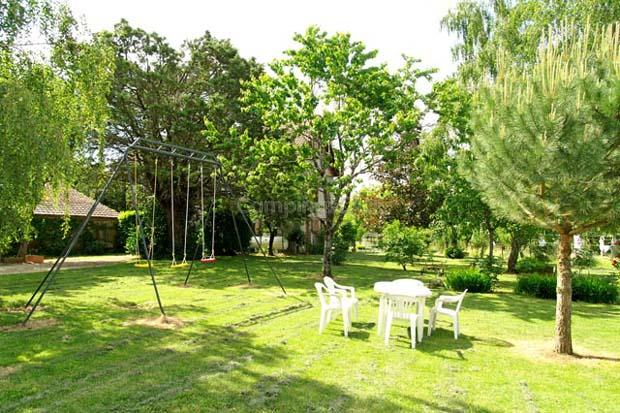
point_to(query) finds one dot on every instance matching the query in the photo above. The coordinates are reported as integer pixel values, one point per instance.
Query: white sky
(264, 28)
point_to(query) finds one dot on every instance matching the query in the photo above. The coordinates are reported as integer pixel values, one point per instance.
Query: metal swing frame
(159, 148)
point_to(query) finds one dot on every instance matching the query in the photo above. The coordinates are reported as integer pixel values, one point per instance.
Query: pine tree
(545, 143)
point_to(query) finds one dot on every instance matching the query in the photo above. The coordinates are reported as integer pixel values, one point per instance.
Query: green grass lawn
(252, 349)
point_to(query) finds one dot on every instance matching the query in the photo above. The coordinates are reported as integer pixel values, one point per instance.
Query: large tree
(485, 26)
(164, 94)
(52, 98)
(546, 140)
(344, 111)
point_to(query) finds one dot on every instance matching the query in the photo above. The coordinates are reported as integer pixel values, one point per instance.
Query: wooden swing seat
(209, 260)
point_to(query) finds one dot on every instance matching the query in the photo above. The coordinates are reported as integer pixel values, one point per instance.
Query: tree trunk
(327, 252)
(563, 339)
(272, 237)
(491, 238)
(404, 267)
(515, 249)
(23, 249)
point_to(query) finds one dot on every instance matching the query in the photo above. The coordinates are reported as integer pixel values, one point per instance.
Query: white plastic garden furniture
(400, 307)
(438, 308)
(411, 289)
(332, 286)
(408, 282)
(333, 303)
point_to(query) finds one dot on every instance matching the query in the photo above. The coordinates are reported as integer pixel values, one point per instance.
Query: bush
(588, 288)
(490, 265)
(533, 265)
(595, 289)
(455, 252)
(536, 285)
(403, 244)
(584, 258)
(127, 231)
(472, 280)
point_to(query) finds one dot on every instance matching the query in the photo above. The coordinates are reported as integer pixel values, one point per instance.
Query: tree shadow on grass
(531, 309)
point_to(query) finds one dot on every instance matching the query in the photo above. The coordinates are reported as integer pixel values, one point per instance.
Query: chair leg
(322, 321)
(431, 322)
(346, 321)
(414, 323)
(356, 311)
(456, 327)
(388, 326)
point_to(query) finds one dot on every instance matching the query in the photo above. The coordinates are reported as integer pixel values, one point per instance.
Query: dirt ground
(70, 262)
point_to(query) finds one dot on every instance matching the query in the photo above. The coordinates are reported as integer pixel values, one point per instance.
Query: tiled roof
(78, 206)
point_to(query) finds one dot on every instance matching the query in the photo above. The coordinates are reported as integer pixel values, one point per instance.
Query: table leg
(421, 305)
(380, 318)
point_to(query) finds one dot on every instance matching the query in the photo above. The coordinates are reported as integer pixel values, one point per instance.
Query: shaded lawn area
(252, 349)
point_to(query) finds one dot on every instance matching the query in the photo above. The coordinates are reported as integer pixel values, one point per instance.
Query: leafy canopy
(51, 103)
(546, 137)
(403, 244)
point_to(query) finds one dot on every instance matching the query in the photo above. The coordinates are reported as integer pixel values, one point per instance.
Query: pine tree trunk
(515, 248)
(563, 339)
(327, 252)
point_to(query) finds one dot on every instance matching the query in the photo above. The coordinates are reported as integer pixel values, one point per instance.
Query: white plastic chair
(333, 303)
(438, 308)
(333, 286)
(401, 308)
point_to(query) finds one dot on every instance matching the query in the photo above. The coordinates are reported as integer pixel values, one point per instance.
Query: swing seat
(209, 260)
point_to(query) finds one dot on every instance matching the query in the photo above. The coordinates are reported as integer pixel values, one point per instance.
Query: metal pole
(245, 264)
(245, 219)
(143, 238)
(61, 260)
(191, 265)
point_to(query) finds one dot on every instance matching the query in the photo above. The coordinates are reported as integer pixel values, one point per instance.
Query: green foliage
(127, 231)
(344, 112)
(583, 258)
(51, 103)
(588, 288)
(454, 253)
(490, 265)
(483, 27)
(533, 265)
(163, 93)
(402, 244)
(343, 241)
(472, 280)
(545, 136)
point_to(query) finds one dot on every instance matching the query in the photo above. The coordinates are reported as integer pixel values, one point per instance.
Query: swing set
(171, 151)
(210, 259)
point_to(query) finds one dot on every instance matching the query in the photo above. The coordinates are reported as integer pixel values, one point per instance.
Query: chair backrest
(401, 306)
(330, 284)
(319, 289)
(461, 297)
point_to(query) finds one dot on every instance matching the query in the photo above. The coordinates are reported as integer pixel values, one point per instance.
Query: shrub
(472, 280)
(455, 252)
(595, 289)
(588, 288)
(536, 285)
(584, 258)
(533, 265)
(490, 265)
(403, 244)
(127, 230)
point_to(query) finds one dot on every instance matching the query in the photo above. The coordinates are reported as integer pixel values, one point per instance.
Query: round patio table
(405, 288)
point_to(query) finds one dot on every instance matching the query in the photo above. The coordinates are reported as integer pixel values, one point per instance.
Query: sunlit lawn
(252, 349)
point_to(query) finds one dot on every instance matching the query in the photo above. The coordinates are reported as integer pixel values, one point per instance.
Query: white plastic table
(404, 288)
